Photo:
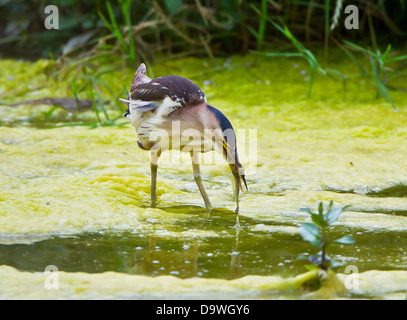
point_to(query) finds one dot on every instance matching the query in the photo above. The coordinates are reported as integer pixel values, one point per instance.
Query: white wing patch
(164, 107)
(167, 106)
(140, 105)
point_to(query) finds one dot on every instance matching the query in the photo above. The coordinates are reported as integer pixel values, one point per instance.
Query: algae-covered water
(78, 198)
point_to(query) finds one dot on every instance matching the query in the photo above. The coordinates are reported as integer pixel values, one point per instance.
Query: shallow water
(78, 198)
(264, 249)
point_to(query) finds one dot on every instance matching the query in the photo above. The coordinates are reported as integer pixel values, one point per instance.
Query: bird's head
(227, 143)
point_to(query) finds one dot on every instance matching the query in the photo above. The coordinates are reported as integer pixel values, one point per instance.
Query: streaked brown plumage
(156, 105)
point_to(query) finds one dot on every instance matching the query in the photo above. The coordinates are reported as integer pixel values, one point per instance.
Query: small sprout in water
(316, 233)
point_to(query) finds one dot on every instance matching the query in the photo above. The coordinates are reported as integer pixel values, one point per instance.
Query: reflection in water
(235, 267)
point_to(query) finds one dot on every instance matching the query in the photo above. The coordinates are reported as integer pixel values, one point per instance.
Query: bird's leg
(198, 180)
(155, 154)
(236, 189)
(235, 184)
(154, 168)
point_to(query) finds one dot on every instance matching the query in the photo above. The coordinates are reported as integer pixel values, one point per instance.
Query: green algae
(77, 182)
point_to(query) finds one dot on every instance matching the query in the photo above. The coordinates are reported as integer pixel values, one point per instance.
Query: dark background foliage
(193, 27)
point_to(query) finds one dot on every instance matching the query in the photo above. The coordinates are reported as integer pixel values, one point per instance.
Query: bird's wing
(167, 93)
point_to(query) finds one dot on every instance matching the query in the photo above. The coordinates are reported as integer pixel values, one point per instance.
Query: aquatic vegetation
(316, 233)
(112, 25)
(380, 70)
(302, 52)
(163, 30)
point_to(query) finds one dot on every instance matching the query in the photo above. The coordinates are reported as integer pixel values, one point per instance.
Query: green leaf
(331, 202)
(252, 31)
(307, 210)
(321, 208)
(48, 114)
(387, 51)
(345, 240)
(311, 267)
(333, 215)
(359, 48)
(310, 233)
(397, 58)
(318, 220)
(173, 5)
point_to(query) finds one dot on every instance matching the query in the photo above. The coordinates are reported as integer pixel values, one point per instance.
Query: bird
(157, 106)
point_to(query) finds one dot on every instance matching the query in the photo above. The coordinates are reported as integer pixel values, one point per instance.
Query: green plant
(169, 28)
(378, 62)
(113, 26)
(326, 31)
(303, 52)
(262, 26)
(317, 234)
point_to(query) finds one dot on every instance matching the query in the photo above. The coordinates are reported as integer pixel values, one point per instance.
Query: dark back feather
(179, 89)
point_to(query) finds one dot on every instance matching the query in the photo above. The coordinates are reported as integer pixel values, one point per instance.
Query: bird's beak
(127, 114)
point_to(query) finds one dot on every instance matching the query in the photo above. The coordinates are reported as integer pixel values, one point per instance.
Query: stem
(371, 29)
(262, 26)
(327, 6)
(323, 248)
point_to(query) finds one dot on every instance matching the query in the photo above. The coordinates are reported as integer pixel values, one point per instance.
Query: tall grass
(302, 52)
(129, 48)
(326, 31)
(262, 24)
(379, 63)
(154, 29)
